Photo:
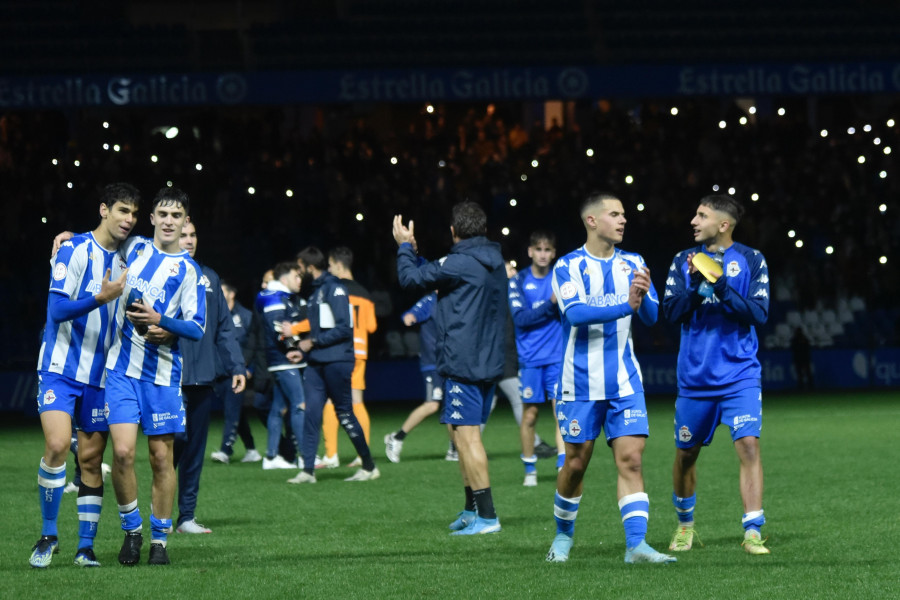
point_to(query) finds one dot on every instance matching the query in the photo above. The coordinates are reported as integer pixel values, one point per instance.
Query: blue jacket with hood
(471, 310)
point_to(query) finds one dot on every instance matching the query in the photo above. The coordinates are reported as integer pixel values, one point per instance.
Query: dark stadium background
(339, 114)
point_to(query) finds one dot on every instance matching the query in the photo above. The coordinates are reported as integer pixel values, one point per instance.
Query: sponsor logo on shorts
(159, 419)
(684, 434)
(574, 428)
(455, 389)
(742, 420)
(456, 415)
(456, 402)
(560, 416)
(527, 392)
(49, 397)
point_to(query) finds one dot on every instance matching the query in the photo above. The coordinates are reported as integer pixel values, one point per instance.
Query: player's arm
(226, 343)
(682, 295)
(526, 316)
(571, 296)
(754, 309)
(63, 308)
(648, 310)
(192, 307)
(421, 275)
(421, 311)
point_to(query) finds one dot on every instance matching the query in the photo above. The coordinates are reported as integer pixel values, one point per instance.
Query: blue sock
(51, 483)
(130, 516)
(158, 529)
(753, 520)
(560, 460)
(530, 463)
(90, 500)
(684, 507)
(565, 510)
(635, 509)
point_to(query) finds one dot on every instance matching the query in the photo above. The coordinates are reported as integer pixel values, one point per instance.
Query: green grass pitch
(831, 489)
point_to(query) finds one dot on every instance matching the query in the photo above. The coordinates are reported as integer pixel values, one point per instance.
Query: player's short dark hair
(725, 204)
(225, 283)
(283, 268)
(468, 220)
(313, 257)
(541, 235)
(169, 196)
(120, 192)
(596, 198)
(343, 255)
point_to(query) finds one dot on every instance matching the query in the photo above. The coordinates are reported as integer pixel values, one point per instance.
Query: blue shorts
(537, 384)
(434, 386)
(582, 421)
(696, 420)
(159, 409)
(467, 403)
(85, 403)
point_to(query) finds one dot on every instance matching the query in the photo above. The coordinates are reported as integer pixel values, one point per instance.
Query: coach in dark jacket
(330, 359)
(198, 378)
(471, 311)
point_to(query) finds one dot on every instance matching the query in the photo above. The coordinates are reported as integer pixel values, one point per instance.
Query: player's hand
(640, 285)
(110, 290)
(142, 314)
(286, 328)
(159, 336)
(238, 383)
(690, 261)
(409, 319)
(306, 345)
(404, 234)
(294, 356)
(65, 236)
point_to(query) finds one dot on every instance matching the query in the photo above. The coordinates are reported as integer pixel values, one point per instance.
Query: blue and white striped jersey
(598, 359)
(77, 348)
(538, 328)
(173, 285)
(718, 352)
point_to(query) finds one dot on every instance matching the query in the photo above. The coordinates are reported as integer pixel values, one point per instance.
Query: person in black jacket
(198, 378)
(471, 312)
(330, 358)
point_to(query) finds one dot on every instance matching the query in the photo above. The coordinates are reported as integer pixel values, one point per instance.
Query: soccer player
(340, 261)
(719, 374)
(329, 351)
(599, 287)
(471, 310)
(197, 386)
(280, 308)
(71, 373)
(539, 343)
(143, 385)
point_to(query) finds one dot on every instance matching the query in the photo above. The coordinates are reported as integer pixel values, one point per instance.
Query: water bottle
(706, 288)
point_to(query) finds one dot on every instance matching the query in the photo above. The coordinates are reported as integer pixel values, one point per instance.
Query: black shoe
(130, 554)
(158, 555)
(545, 450)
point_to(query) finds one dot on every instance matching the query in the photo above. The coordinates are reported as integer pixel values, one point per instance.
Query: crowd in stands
(267, 181)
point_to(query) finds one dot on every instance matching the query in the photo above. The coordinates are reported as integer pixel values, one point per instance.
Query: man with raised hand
(599, 288)
(471, 311)
(163, 289)
(86, 276)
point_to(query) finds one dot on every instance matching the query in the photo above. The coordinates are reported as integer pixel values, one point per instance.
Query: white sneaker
(302, 477)
(70, 487)
(328, 462)
(219, 457)
(355, 463)
(276, 463)
(530, 480)
(392, 448)
(105, 470)
(300, 463)
(363, 475)
(252, 456)
(452, 455)
(192, 526)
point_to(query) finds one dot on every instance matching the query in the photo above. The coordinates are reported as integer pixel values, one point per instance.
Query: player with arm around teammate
(86, 277)
(599, 288)
(719, 374)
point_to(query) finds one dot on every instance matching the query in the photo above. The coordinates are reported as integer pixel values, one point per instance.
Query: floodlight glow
(829, 250)
(198, 166)
(867, 128)
(882, 208)
(289, 193)
(513, 263)
(359, 216)
(754, 197)
(722, 124)
(429, 109)
(799, 243)
(877, 141)
(251, 190)
(43, 219)
(512, 202)
(715, 187)
(861, 159)
(169, 183)
(824, 133)
(590, 152)
(54, 162)
(524, 177)
(792, 233)
(69, 185)
(534, 163)
(505, 231)
(890, 122)
(77, 163)
(154, 158)
(851, 130)
(640, 207)
(393, 160)
(887, 149)
(743, 120)
(674, 111)
(883, 174)
(883, 260)
(106, 146)
(171, 132)
(781, 112)
(731, 191)
(629, 179)
(117, 148)
(441, 164)
(105, 124)
(752, 110)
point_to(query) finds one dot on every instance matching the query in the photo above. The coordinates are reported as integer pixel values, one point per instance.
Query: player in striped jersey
(598, 288)
(86, 278)
(164, 289)
(719, 374)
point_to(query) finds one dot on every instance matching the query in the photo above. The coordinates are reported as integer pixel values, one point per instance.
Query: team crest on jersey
(684, 434)
(173, 270)
(59, 272)
(574, 428)
(567, 290)
(236, 319)
(733, 269)
(49, 397)
(625, 268)
(527, 392)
